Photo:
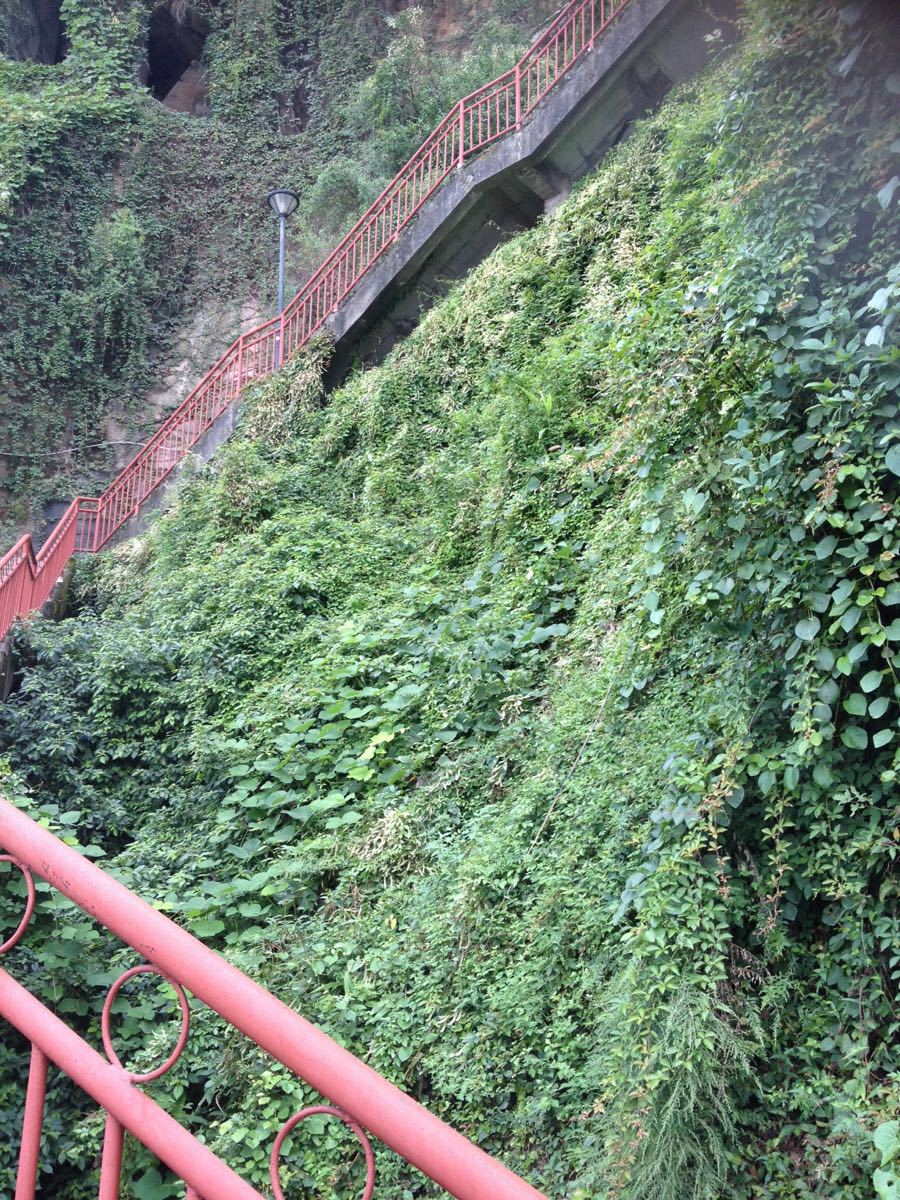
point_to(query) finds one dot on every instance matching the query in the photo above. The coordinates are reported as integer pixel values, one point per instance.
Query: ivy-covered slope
(525, 714)
(134, 240)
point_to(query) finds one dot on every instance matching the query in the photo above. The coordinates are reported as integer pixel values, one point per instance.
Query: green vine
(531, 725)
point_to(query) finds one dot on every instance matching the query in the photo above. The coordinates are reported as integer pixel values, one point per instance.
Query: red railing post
(462, 133)
(518, 86)
(111, 1159)
(113, 1090)
(30, 1151)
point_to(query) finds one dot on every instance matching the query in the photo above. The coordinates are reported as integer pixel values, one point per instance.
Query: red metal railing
(491, 112)
(26, 578)
(360, 1097)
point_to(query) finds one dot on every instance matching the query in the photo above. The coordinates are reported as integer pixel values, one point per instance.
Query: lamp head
(282, 202)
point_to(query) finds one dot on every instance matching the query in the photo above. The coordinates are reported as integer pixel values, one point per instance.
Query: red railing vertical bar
(146, 472)
(24, 582)
(112, 1089)
(138, 491)
(32, 1126)
(26, 586)
(111, 1159)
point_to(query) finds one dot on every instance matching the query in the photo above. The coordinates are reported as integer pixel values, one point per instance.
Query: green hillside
(525, 712)
(135, 240)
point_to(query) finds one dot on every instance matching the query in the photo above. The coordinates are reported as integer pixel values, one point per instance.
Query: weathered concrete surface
(650, 47)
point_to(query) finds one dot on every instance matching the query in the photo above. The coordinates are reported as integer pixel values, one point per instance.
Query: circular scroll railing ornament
(19, 931)
(328, 1111)
(147, 1076)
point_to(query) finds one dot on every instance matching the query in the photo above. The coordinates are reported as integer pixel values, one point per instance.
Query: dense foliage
(531, 725)
(134, 239)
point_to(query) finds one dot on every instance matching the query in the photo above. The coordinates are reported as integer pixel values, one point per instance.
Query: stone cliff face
(191, 93)
(31, 30)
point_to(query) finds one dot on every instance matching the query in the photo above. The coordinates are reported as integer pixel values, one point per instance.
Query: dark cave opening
(174, 48)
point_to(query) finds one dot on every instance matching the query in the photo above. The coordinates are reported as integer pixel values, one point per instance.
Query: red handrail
(27, 579)
(362, 1097)
(479, 119)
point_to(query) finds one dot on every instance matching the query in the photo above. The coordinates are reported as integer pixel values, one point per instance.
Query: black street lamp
(282, 204)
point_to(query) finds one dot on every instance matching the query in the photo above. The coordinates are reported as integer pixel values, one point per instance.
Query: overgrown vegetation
(122, 223)
(531, 725)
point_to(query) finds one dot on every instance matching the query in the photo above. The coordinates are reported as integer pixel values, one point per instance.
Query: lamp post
(282, 204)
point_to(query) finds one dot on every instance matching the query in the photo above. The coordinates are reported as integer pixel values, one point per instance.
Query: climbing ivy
(531, 725)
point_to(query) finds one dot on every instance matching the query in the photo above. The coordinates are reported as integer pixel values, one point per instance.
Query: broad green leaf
(886, 194)
(822, 775)
(887, 1184)
(807, 629)
(855, 738)
(879, 301)
(887, 1141)
(850, 618)
(207, 927)
(878, 707)
(870, 681)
